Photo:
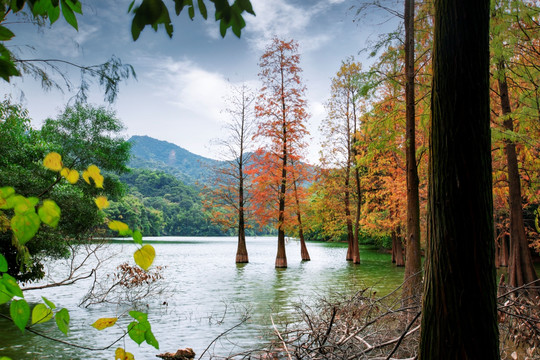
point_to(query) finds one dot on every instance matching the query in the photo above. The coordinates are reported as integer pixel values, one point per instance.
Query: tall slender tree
(511, 46)
(281, 110)
(340, 149)
(459, 313)
(413, 276)
(228, 199)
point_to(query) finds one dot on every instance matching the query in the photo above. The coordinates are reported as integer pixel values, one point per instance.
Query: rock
(181, 354)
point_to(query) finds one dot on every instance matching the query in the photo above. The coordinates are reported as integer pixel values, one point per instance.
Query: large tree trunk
(521, 269)
(459, 313)
(413, 265)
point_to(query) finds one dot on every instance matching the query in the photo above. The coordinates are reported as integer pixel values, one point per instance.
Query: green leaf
(41, 7)
(180, 4)
(223, 28)
(137, 331)
(49, 303)
(137, 237)
(54, 13)
(7, 67)
(41, 314)
(150, 339)
(62, 320)
(191, 12)
(20, 313)
(202, 9)
(69, 15)
(6, 192)
(5, 295)
(49, 213)
(245, 5)
(144, 257)
(21, 205)
(11, 285)
(139, 316)
(5, 33)
(5, 358)
(75, 5)
(25, 226)
(3, 264)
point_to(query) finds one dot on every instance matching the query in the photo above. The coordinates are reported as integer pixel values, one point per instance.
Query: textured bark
(459, 313)
(520, 268)
(413, 265)
(281, 256)
(397, 250)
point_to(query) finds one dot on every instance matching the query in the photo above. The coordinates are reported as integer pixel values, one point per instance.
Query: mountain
(153, 154)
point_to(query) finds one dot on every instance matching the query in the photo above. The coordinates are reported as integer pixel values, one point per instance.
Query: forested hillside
(150, 153)
(159, 204)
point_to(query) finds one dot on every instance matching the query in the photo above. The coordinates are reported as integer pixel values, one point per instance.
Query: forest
(430, 151)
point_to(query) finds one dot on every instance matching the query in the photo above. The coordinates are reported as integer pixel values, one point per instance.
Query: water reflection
(206, 294)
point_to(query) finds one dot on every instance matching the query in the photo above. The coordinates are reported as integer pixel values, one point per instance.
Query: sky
(181, 83)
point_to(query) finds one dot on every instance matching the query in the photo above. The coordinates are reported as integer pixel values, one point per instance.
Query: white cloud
(280, 18)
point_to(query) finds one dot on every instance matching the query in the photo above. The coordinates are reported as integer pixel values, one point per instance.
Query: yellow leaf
(104, 323)
(144, 257)
(98, 179)
(121, 354)
(64, 172)
(86, 176)
(119, 226)
(102, 202)
(53, 161)
(71, 175)
(94, 173)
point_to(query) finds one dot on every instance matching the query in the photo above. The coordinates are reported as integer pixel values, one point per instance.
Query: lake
(204, 294)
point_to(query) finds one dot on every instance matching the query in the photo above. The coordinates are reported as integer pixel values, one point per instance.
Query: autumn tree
(228, 197)
(516, 69)
(413, 265)
(459, 312)
(340, 128)
(281, 111)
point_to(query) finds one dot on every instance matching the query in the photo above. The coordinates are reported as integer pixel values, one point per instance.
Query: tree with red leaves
(281, 110)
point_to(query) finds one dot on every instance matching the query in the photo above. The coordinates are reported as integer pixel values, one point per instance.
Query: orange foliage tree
(281, 110)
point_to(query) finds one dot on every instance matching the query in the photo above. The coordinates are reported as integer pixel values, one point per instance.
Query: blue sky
(181, 82)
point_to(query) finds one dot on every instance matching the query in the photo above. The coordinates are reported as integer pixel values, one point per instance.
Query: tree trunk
(521, 269)
(503, 260)
(356, 249)
(241, 251)
(350, 234)
(397, 250)
(459, 313)
(303, 248)
(413, 265)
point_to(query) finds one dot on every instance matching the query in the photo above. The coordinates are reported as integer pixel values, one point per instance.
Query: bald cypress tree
(459, 314)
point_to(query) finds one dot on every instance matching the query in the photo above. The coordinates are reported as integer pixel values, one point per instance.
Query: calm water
(205, 293)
